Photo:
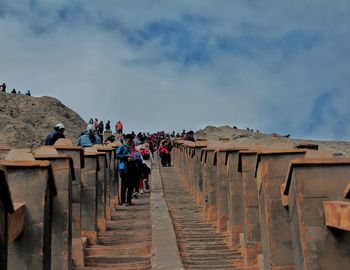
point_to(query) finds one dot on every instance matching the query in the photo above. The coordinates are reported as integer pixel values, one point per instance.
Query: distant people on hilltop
(96, 124)
(119, 127)
(101, 127)
(89, 137)
(108, 125)
(56, 134)
(91, 121)
(3, 87)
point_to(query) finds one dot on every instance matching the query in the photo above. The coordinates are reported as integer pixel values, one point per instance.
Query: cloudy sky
(277, 66)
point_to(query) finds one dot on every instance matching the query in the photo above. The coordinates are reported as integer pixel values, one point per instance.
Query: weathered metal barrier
(281, 211)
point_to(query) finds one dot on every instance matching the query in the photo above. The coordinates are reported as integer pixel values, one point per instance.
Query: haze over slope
(26, 121)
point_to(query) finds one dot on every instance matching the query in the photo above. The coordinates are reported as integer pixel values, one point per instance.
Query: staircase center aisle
(200, 246)
(127, 242)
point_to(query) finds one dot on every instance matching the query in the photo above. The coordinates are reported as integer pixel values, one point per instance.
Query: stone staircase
(126, 244)
(200, 245)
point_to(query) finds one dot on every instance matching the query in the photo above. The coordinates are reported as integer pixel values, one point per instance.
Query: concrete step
(127, 242)
(141, 250)
(201, 245)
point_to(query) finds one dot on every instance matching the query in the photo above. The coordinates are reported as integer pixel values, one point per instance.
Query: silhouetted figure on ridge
(3, 87)
(108, 125)
(101, 127)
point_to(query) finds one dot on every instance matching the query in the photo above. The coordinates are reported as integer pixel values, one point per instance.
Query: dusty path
(201, 247)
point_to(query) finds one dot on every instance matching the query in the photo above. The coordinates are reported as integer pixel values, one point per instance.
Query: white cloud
(252, 82)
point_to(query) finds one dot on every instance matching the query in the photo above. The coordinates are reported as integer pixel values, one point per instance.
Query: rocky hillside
(26, 121)
(212, 133)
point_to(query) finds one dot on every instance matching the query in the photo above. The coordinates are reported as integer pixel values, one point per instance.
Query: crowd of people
(135, 153)
(3, 87)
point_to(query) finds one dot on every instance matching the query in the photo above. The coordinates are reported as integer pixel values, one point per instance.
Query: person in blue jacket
(123, 153)
(89, 137)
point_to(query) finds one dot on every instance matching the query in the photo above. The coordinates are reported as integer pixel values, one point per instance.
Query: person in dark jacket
(125, 167)
(108, 125)
(3, 87)
(56, 134)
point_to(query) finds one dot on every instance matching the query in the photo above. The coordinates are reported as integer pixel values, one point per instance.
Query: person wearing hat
(54, 135)
(89, 137)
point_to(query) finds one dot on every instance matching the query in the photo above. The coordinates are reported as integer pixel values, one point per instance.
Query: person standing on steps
(164, 153)
(125, 167)
(101, 127)
(136, 171)
(108, 125)
(56, 134)
(96, 123)
(146, 166)
(119, 127)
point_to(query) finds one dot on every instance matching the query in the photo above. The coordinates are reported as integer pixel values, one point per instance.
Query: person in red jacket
(164, 153)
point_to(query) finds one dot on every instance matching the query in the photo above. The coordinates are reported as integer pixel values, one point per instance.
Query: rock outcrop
(211, 133)
(26, 121)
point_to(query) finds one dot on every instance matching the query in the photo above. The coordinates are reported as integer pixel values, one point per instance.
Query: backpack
(164, 150)
(145, 154)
